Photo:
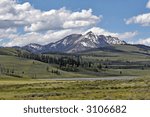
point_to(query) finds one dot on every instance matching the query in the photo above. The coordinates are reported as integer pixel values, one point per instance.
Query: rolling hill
(12, 66)
(12, 51)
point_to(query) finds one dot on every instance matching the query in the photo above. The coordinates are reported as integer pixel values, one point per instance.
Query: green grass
(30, 87)
(44, 89)
(121, 52)
(11, 51)
(35, 69)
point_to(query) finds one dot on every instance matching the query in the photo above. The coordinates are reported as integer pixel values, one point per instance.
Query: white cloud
(40, 38)
(13, 14)
(63, 19)
(144, 41)
(123, 36)
(44, 27)
(148, 4)
(53, 36)
(143, 19)
(55, 23)
(127, 35)
(7, 33)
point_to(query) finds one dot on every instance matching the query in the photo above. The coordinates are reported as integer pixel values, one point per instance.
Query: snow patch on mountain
(84, 44)
(35, 46)
(76, 43)
(64, 42)
(114, 40)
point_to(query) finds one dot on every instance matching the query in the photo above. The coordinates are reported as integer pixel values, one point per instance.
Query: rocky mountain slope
(76, 43)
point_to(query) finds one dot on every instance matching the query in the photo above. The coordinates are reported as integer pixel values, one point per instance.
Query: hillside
(11, 66)
(120, 52)
(13, 51)
(22, 78)
(115, 60)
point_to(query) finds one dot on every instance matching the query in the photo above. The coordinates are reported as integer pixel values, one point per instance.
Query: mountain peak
(90, 33)
(76, 43)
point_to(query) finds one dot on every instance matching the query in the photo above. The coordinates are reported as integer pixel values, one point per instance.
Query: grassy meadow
(56, 90)
(29, 79)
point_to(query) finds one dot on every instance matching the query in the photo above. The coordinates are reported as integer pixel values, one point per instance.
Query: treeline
(39, 57)
(10, 71)
(73, 62)
(67, 63)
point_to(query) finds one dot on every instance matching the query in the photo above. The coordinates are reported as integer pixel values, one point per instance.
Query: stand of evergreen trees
(10, 71)
(70, 63)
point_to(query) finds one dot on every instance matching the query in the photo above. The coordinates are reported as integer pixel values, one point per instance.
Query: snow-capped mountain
(32, 47)
(63, 45)
(75, 43)
(113, 40)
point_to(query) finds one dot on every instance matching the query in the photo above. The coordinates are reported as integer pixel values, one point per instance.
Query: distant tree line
(73, 62)
(10, 71)
(67, 63)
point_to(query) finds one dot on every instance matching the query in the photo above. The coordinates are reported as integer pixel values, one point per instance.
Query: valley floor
(19, 89)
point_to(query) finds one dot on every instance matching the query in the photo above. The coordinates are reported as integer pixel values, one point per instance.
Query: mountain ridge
(75, 43)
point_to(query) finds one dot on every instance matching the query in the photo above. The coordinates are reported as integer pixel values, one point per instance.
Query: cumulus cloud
(148, 4)
(53, 36)
(15, 15)
(144, 41)
(127, 35)
(123, 36)
(40, 38)
(63, 19)
(44, 27)
(40, 26)
(143, 19)
(7, 33)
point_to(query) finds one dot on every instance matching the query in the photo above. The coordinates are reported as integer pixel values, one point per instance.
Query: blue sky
(127, 19)
(113, 11)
